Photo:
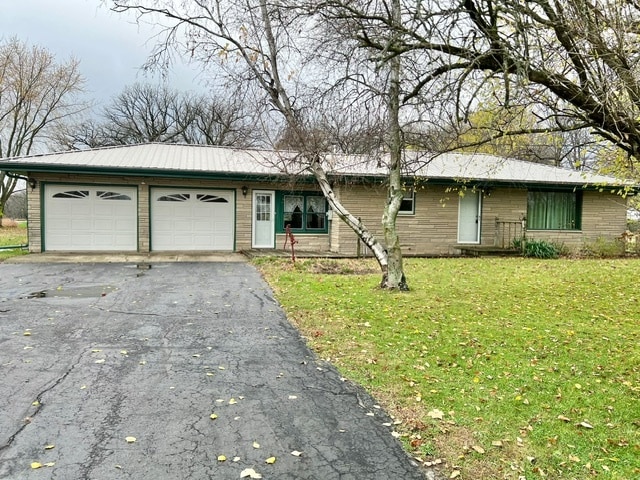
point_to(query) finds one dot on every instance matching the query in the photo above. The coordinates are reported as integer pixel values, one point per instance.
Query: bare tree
(36, 94)
(144, 113)
(576, 58)
(264, 43)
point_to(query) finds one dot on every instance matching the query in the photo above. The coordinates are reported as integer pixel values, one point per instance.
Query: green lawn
(13, 235)
(501, 368)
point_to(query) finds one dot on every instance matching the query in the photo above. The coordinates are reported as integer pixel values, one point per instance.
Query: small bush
(541, 249)
(604, 248)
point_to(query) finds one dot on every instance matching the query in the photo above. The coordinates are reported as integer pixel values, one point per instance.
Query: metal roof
(189, 160)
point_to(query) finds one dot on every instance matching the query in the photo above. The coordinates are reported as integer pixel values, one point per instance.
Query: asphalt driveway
(93, 356)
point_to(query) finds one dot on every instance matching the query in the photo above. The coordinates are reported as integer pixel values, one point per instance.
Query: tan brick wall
(432, 230)
(34, 220)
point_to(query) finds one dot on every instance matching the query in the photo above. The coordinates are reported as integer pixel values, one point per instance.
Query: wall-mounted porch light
(33, 183)
(245, 190)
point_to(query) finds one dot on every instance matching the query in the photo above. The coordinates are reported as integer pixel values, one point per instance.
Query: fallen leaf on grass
(249, 472)
(270, 460)
(455, 474)
(563, 418)
(497, 443)
(584, 425)
(478, 449)
(436, 414)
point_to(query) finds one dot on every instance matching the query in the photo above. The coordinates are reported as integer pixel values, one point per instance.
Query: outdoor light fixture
(33, 183)
(245, 190)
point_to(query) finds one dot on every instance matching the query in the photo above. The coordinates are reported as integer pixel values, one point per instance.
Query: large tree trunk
(394, 278)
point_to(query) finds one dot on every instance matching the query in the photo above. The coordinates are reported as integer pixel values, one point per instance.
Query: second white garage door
(185, 219)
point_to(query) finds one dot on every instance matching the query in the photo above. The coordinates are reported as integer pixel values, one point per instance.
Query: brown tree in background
(36, 94)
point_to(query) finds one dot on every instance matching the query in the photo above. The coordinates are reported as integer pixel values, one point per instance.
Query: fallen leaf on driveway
(35, 465)
(213, 416)
(256, 445)
(49, 447)
(130, 439)
(270, 460)
(233, 401)
(296, 453)
(249, 472)
(222, 458)
(100, 361)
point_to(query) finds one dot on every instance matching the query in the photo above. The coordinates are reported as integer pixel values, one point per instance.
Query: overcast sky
(111, 47)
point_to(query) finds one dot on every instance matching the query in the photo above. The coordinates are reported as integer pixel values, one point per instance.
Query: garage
(90, 218)
(184, 219)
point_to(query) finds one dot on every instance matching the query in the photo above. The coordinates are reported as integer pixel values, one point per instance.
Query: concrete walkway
(116, 372)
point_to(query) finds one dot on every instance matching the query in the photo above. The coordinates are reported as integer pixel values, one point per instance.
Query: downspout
(26, 245)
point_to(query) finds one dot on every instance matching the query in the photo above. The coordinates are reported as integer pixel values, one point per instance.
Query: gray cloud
(111, 47)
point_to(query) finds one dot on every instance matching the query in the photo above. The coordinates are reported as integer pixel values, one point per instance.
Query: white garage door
(184, 219)
(90, 218)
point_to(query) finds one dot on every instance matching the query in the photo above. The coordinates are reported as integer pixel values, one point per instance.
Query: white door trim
(468, 219)
(263, 232)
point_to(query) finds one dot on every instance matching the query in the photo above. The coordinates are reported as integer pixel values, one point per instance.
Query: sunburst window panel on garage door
(89, 218)
(192, 220)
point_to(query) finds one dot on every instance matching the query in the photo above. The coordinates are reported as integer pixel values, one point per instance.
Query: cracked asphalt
(104, 351)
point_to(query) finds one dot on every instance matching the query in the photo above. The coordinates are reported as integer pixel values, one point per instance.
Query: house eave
(27, 169)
